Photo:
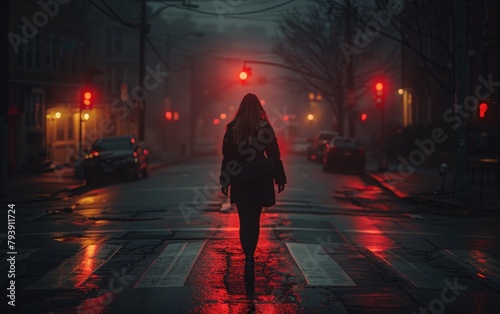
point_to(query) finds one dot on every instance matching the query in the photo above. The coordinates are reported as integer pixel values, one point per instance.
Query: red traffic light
(86, 100)
(379, 94)
(483, 107)
(245, 74)
(363, 117)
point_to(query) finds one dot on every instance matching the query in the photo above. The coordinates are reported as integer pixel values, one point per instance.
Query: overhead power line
(113, 15)
(230, 14)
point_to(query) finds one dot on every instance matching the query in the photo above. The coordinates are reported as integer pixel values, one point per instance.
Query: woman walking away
(251, 162)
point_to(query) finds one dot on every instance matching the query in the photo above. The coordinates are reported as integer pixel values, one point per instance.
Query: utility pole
(143, 30)
(461, 184)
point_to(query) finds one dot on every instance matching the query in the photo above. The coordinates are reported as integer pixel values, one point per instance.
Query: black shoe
(249, 270)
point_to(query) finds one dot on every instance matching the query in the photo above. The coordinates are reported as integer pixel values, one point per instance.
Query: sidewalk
(32, 186)
(424, 187)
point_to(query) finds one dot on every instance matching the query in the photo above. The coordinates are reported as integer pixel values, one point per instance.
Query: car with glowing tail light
(344, 154)
(116, 156)
(317, 145)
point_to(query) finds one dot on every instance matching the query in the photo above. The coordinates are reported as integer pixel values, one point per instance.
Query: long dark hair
(248, 118)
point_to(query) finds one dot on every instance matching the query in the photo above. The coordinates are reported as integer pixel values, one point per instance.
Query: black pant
(249, 215)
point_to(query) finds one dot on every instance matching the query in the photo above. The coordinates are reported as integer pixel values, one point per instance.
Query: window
(49, 53)
(29, 54)
(36, 51)
(70, 128)
(21, 55)
(115, 40)
(80, 60)
(62, 56)
(109, 40)
(33, 105)
(59, 130)
(109, 80)
(72, 58)
(118, 34)
(119, 78)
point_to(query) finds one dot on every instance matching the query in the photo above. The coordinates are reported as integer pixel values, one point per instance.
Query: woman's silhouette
(250, 137)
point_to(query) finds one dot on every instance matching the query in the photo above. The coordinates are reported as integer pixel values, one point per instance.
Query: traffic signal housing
(86, 100)
(379, 94)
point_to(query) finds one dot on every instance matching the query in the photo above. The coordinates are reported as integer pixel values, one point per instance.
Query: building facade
(47, 71)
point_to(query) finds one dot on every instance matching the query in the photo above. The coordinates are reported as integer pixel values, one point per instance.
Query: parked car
(317, 145)
(344, 153)
(116, 156)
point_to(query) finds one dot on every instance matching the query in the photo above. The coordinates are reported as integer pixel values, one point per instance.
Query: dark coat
(260, 190)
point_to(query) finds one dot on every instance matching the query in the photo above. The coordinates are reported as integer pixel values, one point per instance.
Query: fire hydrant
(443, 169)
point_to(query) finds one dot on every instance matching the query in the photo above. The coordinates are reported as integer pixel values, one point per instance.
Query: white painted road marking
(360, 231)
(172, 267)
(75, 271)
(317, 266)
(417, 272)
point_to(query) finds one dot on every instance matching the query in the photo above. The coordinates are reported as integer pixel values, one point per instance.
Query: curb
(428, 200)
(387, 186)
(167, 163)
(72, 188)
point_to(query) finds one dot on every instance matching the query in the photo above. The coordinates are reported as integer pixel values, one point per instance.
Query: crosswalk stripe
(21, 255)
(485, 265)
(173, 266)
(76, 270)
(317, 266)
(417, 272)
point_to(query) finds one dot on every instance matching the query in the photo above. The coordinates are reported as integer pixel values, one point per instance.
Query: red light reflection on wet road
(370, 237)
(220, 272)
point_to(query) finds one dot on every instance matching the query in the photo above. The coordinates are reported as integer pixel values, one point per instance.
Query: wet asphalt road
(334, 243)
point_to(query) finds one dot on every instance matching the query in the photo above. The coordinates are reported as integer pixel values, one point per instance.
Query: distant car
(116, 156)
(299, 146)
(317, 145)
(205, 147)
(344, 153)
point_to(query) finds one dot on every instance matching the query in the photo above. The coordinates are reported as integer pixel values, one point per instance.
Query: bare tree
(311, 42)
(427, 28)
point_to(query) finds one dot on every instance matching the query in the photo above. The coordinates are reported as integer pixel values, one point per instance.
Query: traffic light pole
(79, 165)
(461, 185)
(382, 162)
(142, 43)
(350, 76)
